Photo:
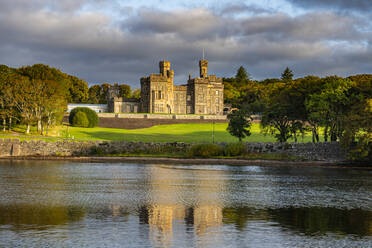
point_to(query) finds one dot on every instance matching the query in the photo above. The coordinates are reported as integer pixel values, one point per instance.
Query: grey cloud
(346, 5)
(195, 22)
(56, 5)
(241, 8)
(311, 26)
(90, 46)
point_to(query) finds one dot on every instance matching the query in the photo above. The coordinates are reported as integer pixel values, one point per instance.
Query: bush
(91, 115)
(205, 150)
(96, 151)
(80, 120)
(234, 149)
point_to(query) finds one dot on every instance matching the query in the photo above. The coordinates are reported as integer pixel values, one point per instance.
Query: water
(64, 204)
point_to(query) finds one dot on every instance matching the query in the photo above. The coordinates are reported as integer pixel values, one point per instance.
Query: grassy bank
(188, 133)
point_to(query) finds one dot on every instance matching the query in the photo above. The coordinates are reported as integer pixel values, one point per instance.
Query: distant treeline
(97, 94)
(38, 95)
(339, 107)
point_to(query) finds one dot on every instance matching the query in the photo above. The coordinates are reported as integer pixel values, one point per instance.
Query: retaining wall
(162, 116)
(14, 147)
(135, 121)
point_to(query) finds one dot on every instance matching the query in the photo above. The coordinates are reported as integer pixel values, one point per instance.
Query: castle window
(217, 92)
(160, 96)
(188, 98)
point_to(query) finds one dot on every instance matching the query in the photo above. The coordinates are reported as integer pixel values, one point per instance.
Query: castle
(202, 95)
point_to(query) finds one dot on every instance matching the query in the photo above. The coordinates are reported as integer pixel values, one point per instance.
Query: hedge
(91, 115)
(80, 120)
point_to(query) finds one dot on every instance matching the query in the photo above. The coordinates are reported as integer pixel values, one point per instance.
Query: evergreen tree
(242, 77)
(287, 75)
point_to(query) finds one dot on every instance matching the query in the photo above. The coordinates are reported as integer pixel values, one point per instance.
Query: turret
(203, 66)
(164, 68)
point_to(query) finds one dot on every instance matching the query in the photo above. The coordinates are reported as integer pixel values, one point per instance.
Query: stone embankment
(331, 152)
(132, 123)
(136, 121)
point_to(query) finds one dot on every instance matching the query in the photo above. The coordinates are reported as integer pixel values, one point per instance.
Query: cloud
(311, 26)
(242, 8)
(346, 5)
(189, 23)
(100, 47)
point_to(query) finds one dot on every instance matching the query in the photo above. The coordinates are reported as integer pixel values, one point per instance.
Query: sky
(124, 40)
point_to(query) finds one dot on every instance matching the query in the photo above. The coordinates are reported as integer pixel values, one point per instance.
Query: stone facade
(202, 95)
(117, 104)
(124, 105)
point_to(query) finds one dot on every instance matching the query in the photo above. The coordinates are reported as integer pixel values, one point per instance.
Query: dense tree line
(340, 107)
(98, 93)
(37, 95)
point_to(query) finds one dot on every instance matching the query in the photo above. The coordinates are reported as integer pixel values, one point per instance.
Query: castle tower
(203, 66)
(165, 68)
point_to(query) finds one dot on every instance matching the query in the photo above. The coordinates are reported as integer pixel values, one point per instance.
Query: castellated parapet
(203, 95)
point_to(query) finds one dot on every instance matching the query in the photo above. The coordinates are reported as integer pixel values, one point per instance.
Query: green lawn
(169, 133)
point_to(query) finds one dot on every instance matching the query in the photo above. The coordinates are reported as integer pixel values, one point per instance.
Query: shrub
(234, 149)
(97, 151)
(205, 150)
(91, 115)
(80, 120)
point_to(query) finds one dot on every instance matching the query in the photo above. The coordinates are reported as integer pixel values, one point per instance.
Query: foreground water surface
(65, 204)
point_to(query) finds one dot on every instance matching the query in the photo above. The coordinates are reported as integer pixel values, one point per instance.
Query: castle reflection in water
(175, 205)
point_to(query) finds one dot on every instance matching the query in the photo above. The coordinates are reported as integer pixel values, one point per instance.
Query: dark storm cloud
(97, 48)
(359, 5)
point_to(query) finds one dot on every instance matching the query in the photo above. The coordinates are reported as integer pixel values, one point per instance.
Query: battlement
(180, 88)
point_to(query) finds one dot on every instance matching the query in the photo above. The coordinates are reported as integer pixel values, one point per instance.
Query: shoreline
(189, 161)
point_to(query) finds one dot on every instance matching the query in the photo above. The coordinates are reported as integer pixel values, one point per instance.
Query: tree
(242, 77)
(104, 92)
(136, 94)
(269, 81)
(275, 118)
(94, 94)
(22, 95)
(283, 114)
(78, 90)
(251, 97)
(4, 71)
(53, 105)
(302, 89)
(230, 93)
(328, 108)
(98, 93)
(357, 134)
(74, 89)
(124, 91)
(287, 75)
(239, 124)
(241, 74)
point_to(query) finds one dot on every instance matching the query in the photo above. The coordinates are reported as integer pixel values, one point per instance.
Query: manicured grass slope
(172, 133)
